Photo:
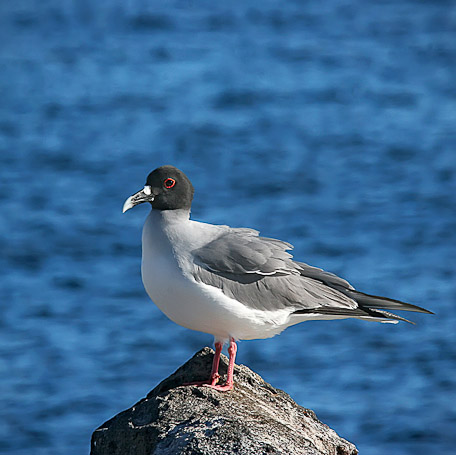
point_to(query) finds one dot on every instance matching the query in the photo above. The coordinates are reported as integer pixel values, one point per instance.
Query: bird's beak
(144, 195)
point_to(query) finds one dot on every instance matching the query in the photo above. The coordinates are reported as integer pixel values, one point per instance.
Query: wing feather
(260, 273)
(240, 251)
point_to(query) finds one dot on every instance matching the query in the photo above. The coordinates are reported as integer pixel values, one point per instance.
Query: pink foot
(212, 381)
(214, 377)
(209, 382)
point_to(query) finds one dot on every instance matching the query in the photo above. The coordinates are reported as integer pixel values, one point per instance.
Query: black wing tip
(405, 306)
(423, 310)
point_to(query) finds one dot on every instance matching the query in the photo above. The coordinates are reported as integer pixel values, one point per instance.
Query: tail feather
(369, 306)
(388, 315)
(360, 312)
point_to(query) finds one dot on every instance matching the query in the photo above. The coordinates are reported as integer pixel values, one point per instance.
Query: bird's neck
(174, 216)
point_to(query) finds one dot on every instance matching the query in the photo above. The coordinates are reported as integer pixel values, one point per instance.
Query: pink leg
(229, 379)
(215, 366)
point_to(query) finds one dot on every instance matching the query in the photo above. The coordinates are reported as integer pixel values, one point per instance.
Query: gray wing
(240, 251)
(261, 273)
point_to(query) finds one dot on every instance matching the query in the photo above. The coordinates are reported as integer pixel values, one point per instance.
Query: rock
(253, 418)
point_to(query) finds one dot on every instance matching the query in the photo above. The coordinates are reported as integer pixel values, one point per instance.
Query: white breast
(166, 274)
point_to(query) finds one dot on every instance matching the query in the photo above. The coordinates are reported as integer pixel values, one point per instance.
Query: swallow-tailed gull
(232, 283)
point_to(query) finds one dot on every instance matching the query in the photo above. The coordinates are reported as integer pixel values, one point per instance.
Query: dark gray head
(167, 188)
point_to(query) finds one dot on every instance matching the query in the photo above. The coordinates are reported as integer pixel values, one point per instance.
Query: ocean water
(327, 124)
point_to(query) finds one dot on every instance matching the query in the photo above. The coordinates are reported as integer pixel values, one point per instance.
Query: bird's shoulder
(243, 250)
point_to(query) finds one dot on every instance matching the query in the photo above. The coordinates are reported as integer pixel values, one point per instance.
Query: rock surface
(253, 418)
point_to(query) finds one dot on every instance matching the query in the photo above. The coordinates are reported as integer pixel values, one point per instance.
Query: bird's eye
(169, 183)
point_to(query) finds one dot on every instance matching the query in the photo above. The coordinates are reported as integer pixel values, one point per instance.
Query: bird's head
(167, 188)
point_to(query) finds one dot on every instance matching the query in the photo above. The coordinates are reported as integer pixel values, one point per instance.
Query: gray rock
(253, 418)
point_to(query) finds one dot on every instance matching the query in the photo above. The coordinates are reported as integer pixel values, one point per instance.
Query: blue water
(328, 124)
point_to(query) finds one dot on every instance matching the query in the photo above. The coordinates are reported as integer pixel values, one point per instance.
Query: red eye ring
(169, 183)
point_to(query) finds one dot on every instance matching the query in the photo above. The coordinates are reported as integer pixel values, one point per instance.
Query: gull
(232, 283)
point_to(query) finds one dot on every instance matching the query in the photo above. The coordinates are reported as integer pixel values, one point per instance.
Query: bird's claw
(212, 382)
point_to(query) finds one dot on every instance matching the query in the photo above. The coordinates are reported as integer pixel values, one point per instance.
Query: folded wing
(260, 273)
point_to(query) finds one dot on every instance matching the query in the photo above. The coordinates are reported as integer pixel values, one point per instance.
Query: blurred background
(327, 124)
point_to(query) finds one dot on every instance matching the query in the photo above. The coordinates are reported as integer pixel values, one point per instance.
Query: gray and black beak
(144, 195)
